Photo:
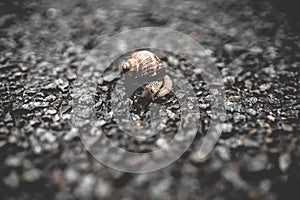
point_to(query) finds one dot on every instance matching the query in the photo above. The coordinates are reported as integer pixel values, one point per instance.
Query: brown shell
(144, 65)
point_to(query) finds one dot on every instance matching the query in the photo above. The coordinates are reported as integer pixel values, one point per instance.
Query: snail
(145, 68)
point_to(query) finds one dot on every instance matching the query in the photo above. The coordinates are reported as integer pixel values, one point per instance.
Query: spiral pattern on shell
(144, 67)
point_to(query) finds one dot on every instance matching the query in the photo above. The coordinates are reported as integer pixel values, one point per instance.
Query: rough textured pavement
(256, 49)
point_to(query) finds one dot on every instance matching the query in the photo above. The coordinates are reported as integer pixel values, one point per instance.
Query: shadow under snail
(144, 68)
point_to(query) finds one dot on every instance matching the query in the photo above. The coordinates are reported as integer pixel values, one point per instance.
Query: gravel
(254, 44)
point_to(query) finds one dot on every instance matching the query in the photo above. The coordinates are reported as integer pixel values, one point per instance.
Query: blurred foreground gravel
(255, 47)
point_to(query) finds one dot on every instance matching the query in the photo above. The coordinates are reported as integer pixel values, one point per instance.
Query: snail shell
(144, 67)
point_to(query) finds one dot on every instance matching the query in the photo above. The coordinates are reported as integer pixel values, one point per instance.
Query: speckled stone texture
(255, 46)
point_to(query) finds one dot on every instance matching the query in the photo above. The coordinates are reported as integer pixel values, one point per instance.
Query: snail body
(145, 68)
